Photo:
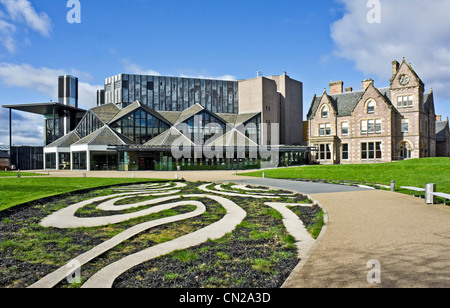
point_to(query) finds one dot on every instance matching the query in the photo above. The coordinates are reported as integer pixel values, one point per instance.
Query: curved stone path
(66, 218)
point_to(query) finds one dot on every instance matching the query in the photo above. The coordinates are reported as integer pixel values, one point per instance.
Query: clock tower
(414, 123)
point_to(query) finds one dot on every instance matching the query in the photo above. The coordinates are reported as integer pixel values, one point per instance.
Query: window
(325, 112)
(405, 150)
(399, 102)
(328, 151)
(364, 127)
(371, 126)
(325, 129)
(344, 127)
(345, 151)
(371, 150)
(324, 152)
(378, 153)
(378, 126)
(405, 125)
(363, 150)
(405, 101)
(371, 107)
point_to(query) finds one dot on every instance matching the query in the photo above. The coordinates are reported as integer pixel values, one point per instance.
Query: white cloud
(21, 14)
(414, 29)
(28, 128)
(45, 80)
(23, 11)
(223, 77)
(6, 38)
(132, 68)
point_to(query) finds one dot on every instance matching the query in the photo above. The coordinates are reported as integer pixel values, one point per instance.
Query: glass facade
(104, 161)
(89, 124)
(199, 124)
(79, 161)
(253, 129)
(172, 93)
(140, 126)
(50, 161)
(64, 161)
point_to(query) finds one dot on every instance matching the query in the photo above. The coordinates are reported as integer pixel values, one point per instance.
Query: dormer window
(325, 112)
(371, 107)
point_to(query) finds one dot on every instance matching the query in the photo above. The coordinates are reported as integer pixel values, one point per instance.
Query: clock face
(404, 80)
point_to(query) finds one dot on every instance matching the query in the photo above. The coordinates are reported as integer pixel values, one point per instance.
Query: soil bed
(259, 253)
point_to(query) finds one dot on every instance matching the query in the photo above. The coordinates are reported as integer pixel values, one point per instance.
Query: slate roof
(344, 103)
(441, 129)
(105, 136)
(133, 107)
(65, 141)
(3, 154)
(105, 113)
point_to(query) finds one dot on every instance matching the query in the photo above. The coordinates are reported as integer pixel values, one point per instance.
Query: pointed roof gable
(441, 130)
(105, 136)
(410, 69)
(190, 112)
(65, 141)
(167, 138)
(132, 108)
(105, 113)
(383, 95)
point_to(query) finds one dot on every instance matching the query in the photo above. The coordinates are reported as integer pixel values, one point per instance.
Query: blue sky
(315, 42)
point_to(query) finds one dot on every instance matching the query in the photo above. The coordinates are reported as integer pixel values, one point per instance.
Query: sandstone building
(374, 124)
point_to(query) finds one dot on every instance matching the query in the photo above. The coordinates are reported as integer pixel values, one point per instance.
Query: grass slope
(15, 191)
(415, 172)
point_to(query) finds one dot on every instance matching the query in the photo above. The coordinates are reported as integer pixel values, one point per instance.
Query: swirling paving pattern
(162, 196)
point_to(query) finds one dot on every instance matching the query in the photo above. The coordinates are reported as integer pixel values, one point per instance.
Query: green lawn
(416, 172)
(14, 191)
(14, 173)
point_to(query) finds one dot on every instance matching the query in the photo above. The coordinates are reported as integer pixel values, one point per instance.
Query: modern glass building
(172, 123)
(172, 93)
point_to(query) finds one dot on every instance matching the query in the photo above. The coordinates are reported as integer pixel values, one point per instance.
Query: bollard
(133, 175)
(84, 175)
(18, 175)
(392, 185)
(176, 176)
(429, 198)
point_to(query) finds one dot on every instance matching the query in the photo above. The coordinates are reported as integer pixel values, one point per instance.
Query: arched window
(405, 150)
(325, 112)
(371, 107)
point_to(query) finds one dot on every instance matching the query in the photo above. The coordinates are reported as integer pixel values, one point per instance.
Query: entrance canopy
(45, 108)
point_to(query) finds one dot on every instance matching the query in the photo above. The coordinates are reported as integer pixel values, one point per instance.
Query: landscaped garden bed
(258, 253)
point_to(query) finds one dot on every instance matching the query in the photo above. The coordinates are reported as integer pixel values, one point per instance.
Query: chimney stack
(438, 118)
(395, 66)
(336, 87)
(366, 83)
(349, 90)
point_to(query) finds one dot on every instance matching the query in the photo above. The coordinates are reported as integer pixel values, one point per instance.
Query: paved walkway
(411, 240)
